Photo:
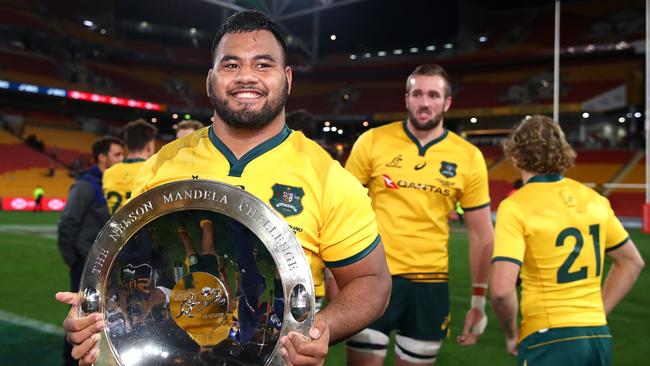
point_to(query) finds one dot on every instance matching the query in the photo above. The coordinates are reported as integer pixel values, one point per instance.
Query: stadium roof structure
(316, 27)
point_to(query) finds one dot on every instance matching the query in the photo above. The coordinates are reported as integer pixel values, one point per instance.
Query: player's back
(117, 183)
(564, 226)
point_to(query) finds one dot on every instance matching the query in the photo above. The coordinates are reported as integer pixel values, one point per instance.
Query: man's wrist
(479, 290)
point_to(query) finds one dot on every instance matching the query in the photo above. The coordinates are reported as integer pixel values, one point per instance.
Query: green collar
(546, 178)
(133, 160)
(237, 165)
(423, 149)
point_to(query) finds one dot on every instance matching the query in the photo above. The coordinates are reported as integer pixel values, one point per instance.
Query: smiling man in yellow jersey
(416, 170)
(118, 179)
(557, 232)
(249, 146)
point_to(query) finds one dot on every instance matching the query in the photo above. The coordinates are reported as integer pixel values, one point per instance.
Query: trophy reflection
(202, 285)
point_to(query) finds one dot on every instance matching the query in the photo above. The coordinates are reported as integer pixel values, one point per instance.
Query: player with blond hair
(554, 232)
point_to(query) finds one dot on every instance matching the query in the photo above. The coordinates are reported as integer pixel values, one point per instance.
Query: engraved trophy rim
(197, 194)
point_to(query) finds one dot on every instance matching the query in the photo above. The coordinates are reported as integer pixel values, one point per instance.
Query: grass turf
(32, 271)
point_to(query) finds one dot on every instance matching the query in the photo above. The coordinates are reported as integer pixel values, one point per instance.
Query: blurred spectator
(51, 171)
(187, 127)
(302, 121)
(84, 215)
(39, 192)
(35, 142)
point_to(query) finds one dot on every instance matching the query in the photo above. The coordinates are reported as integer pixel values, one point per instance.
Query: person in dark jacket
(84, 215)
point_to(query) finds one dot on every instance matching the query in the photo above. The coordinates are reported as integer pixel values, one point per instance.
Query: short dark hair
(138, 133)
(103, 144)
(190, 124)
(249, 21)
(430, 70)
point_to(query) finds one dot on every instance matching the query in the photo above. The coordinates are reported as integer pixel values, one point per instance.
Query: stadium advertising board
(27, 204)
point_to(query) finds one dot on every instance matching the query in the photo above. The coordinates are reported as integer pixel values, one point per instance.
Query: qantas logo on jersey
(389, 182)
(424, 187)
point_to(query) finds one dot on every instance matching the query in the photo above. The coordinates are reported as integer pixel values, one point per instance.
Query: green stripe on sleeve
(617, 245)
(507, 259)
(476, 207)
(356, 257)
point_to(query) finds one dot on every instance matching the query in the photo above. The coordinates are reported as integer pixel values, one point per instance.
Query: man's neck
(525, 175)
(138, 155)
(426, 136)
(240, 141)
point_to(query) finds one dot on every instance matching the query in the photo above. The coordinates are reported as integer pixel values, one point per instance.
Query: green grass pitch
(31, 271)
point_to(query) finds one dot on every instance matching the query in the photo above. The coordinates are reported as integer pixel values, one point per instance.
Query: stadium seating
(76, 30)
(21, 183)
(8, 139)
(28, 63)
(14, 147)
(598, 166)
(628, 204)
(70, 144)
(23, 19)
(593, 167)
(49, 120)
(20, 175)
(492, 154)
(629, 201)
(636, 175)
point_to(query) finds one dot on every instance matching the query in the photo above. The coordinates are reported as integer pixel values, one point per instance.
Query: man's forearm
(618, 283)
(358, 304)
(480, 235)
(480, 252)
(505, 309)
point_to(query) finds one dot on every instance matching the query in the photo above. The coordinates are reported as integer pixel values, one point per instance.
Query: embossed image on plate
(196, 273)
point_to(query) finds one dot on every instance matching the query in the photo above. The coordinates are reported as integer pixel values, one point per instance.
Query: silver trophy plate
(196, 272)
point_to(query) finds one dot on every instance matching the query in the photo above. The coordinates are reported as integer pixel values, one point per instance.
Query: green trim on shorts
(568, 339)
(567, 345)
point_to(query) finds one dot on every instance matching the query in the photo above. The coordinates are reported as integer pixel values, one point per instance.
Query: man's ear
(208, 83)
(101, 159)
(447, 103)
(289, 75)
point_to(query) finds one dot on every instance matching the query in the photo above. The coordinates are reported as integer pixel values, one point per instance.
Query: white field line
(30, 323)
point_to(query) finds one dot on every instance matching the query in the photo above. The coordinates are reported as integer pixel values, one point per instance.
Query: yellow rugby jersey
(326, 207)
(413, 189)
(117, 183)
(560, 230)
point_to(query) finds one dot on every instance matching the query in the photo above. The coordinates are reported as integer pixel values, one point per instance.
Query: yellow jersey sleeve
(349, 230)
(509, 242)
(144, 175)
(476, 193)
(615, 234)
(359, 163)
